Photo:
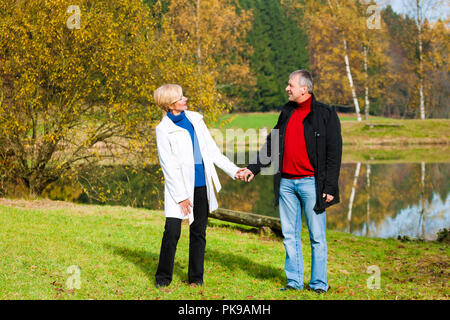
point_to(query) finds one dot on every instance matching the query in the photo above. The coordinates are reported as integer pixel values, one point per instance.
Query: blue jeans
(295, 194)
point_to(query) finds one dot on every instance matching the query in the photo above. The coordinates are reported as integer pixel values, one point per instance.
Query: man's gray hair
(305, 79)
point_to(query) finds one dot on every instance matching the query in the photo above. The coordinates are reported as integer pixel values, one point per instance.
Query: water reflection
(411, 222)
(377, 200)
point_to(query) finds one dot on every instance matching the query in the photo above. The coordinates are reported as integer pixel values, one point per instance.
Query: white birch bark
(350, 80)
(366, 96)
(419, 12)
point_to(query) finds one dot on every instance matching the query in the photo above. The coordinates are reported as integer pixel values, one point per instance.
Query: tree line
(363, 56)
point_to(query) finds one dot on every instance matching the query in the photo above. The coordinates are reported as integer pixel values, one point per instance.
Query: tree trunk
(249, 219)
(350, 80)
(36, 187)
(366, 96)
(422, 98)
(419, 21)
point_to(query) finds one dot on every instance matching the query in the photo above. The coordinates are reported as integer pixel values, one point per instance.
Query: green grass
(117, 249)
(409, 132)
(254, 120)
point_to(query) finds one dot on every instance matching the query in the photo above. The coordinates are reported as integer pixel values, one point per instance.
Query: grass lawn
(117, 249)
(252, 120)
(430, 131)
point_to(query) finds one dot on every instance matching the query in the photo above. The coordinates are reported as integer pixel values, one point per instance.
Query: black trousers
(197, 242)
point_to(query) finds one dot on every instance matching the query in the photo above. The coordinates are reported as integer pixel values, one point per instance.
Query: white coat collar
(169, 126)
(193, 116)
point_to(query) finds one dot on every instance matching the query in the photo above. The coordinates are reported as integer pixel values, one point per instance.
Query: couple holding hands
(309, 149)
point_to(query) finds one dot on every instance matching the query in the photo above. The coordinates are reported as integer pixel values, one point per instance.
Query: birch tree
(345, 54)
(423, 11)
(330, 26)
(419, 24)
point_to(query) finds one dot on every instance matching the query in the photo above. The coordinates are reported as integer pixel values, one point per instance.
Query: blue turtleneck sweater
(182, 121)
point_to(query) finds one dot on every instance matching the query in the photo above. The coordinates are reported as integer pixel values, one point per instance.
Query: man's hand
(328, 197)
(245, 174)
(185, 206)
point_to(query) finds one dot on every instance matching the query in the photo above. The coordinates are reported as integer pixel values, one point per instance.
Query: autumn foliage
(72, 97)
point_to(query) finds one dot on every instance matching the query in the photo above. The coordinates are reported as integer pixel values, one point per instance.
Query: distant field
(258, 120)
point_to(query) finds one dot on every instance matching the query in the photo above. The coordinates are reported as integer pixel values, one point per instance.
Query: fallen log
(382, 125)
(249, 219)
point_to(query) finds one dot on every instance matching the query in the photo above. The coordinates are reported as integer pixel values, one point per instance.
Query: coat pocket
(180, 142)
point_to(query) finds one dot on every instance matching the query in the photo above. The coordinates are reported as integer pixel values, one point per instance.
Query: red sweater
(296, 162)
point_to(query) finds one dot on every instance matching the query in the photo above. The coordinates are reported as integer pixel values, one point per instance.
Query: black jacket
(323, 143)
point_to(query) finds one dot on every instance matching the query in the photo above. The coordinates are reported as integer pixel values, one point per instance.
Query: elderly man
(305, 147)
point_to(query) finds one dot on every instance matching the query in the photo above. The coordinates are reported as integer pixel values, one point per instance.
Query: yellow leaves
(327, 28)
(71, 87)
(212, 39)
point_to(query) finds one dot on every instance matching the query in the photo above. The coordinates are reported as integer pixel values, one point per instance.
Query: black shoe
(161, 284)
(196, 284)
(288, 287)
(318, 291)
(321, 291)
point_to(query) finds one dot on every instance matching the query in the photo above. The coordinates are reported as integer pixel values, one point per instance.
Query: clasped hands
(244, 174)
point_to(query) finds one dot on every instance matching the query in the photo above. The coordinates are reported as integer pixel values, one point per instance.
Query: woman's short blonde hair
(166, 95)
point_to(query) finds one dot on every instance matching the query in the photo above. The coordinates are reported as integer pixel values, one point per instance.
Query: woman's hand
(244, 174)
(185, 206)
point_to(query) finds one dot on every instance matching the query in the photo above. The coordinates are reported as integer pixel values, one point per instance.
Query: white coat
(176, 157)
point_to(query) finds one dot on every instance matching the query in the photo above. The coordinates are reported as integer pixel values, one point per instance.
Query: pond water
(377, 200)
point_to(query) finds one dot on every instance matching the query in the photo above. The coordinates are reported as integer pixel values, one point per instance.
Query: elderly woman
(187, 154)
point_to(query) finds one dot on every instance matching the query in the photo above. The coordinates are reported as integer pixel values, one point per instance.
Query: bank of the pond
(117, 248)
(389, 154)
(397, 132)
